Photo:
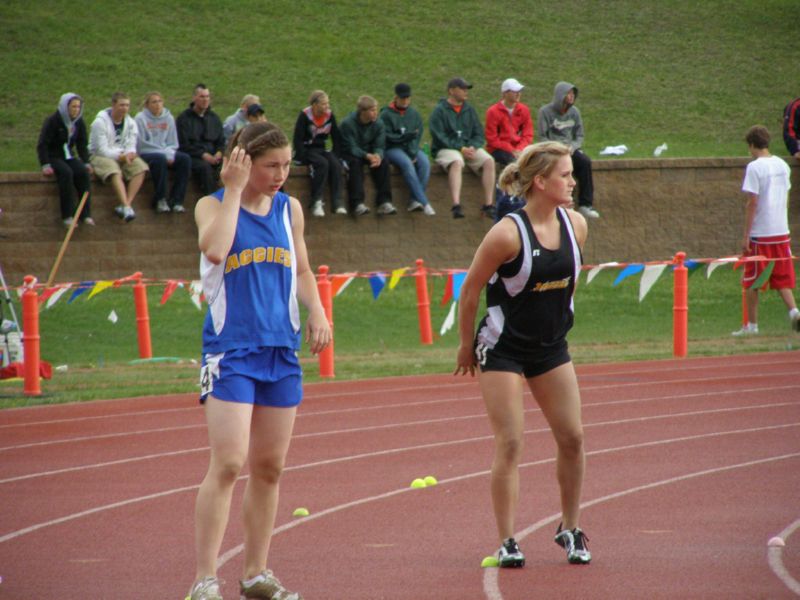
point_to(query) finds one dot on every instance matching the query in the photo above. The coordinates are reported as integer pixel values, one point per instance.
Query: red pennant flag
(448, 289)
(169, 289)
(45, 295)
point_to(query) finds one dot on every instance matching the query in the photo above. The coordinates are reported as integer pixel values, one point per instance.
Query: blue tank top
(252, 295)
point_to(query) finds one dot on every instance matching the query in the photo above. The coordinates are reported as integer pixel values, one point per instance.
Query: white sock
(254, 580)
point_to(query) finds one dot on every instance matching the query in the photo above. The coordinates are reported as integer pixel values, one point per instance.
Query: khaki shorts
(105, 167)
(446, 156)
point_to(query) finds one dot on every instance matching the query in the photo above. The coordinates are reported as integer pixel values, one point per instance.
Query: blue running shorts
(267, 376)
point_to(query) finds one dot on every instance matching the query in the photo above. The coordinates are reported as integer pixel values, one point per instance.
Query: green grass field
(694, 75)
(381, 337)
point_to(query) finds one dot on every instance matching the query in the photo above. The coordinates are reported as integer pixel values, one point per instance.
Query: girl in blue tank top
(254, 268)
(529, 262)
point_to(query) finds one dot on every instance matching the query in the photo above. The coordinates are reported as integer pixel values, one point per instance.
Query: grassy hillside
(692, 74)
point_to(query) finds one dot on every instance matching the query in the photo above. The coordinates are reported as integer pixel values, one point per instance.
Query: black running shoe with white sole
(574, 542)
(510, 555)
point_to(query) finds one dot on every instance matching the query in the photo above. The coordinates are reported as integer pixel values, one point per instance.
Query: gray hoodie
(157, 135)
(566, 128)
(63, 110)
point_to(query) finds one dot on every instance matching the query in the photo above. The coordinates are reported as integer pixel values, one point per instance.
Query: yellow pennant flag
(396, 275)
(99, 287)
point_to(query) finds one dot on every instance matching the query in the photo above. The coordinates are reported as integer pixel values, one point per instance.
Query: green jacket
(451, 129)
(359, 139)
(403, 129)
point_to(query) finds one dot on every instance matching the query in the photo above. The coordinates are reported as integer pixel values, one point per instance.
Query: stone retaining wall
(650, 210)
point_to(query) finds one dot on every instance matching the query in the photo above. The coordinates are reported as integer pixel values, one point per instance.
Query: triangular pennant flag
(448, 289)
(764, 277)
(712, 266)
(340, 282)
(47, 293)
(691, 265)
(99, 287)
(195, 291)
(57, 296)
(83, 286)
(596, 269)
(377, 282)
(627, 272)
(449, 320)
(169, 289)
(396, 275)
(458, 281)
(649, 278)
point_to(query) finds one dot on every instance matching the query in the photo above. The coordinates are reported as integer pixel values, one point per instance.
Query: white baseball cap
(511, 85)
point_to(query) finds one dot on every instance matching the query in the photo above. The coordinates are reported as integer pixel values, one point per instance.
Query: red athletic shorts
(776, 246)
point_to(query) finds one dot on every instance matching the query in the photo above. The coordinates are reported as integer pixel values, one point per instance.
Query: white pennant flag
(649, 277)
(195, 289)
(712, 266)
(595, 270)
(450, 320)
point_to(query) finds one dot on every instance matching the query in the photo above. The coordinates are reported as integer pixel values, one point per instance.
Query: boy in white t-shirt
(766, 229)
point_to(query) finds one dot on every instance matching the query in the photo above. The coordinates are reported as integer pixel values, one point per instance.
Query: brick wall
(650, 210)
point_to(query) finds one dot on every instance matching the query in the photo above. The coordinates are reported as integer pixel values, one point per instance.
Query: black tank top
(529, 299)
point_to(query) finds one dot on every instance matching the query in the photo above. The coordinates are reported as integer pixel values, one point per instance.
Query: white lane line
(157, 495)
(775, 560)
(430, 421)
(416, 388)
(491, 587)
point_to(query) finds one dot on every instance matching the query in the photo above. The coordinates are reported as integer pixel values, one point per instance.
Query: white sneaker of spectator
(317, 210)
(588, 212)
(747, 329)
(387, 208)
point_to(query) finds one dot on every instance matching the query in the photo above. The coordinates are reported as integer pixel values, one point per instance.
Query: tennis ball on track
(418, 483)
(430, 480)
(489, 561)
(300, 512)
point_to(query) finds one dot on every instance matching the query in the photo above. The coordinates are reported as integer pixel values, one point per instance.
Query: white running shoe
(387, 208)
(588, 212)
(361, 209)
(206, 589)
(317, 210)
(749, 329)
(266, 586)
(340, 210)
(127, 214)
(428, 210)
(162, 206)
(415, 206)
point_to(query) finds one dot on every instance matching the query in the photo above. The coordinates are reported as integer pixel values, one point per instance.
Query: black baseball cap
(458, 82)
(402, 90)
(255, 109)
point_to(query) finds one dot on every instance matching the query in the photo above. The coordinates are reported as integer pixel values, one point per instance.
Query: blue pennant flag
(627, 272)
(458, 281)
(83, 287)
(377, 282)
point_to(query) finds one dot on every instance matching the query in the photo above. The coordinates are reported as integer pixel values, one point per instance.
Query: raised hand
(236, 169)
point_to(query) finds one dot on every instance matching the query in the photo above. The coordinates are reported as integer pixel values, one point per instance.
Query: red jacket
(509, 132)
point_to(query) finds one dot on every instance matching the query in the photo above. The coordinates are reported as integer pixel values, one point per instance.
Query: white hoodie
(103, 138)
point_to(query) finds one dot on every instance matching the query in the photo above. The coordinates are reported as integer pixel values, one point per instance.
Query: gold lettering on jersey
(545, 286)
(260, 254)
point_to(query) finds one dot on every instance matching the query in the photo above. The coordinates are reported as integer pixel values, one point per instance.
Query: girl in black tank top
(529, 263)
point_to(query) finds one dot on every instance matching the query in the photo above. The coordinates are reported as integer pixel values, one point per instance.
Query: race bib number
(206, 381)
(480, 354)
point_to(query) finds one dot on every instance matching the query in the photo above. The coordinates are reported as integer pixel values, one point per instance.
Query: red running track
(692, 465)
